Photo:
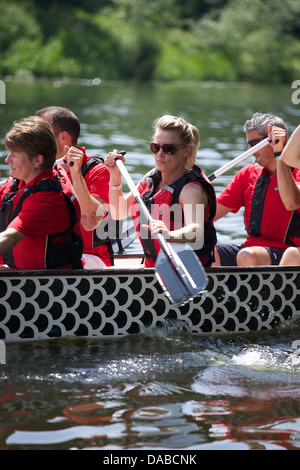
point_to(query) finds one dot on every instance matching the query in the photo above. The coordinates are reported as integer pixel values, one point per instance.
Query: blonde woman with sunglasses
(179, 196)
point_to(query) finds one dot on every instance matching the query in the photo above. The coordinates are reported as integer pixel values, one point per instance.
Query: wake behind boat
(127, 299)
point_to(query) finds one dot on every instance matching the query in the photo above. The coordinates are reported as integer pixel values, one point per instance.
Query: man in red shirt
(271, 225)
(90, 182)
(39, 214)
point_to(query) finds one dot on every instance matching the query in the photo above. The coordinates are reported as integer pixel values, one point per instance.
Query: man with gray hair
(270, 226)
(260, 122)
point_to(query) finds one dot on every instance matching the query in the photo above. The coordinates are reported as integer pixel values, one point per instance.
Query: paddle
(179, 282)
(238, 159)
(125, 237)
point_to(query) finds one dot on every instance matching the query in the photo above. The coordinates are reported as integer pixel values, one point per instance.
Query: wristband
(277, 155)
(115, 188)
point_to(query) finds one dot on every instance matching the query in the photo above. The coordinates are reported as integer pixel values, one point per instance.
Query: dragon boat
(127, 299)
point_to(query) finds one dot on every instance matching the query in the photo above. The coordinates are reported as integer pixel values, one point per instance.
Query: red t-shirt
(275, 217)
(43, 213)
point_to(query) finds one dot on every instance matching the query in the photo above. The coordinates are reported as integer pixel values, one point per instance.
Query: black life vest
(68, 251)
(147, 189)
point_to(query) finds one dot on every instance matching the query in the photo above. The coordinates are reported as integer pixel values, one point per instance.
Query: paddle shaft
(138, 198)
(238, 159)
(166, 247)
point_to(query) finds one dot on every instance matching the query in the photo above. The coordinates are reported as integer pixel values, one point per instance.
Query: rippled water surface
(163, 389)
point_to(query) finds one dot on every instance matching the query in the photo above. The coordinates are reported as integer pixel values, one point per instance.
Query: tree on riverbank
(253, 40)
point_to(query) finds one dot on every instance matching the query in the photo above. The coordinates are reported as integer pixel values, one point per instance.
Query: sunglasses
(254, 141)
(168, 149)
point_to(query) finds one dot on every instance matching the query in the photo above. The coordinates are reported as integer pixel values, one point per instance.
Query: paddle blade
(183, 279)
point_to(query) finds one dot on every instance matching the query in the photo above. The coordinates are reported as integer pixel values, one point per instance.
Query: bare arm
(192, 200)
(291, 152)
(288, 189)
(119, 204)
(93, 209)
(9, 238)
(221, 211)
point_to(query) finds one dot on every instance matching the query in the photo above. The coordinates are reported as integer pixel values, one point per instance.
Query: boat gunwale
(132, 270)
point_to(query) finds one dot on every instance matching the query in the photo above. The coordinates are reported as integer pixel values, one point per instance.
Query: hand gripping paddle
(177, 268)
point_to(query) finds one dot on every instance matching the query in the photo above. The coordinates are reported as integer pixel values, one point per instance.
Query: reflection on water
(165, 389)
(172, 392)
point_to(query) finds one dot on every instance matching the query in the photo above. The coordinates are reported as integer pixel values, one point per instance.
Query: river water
(160, 390)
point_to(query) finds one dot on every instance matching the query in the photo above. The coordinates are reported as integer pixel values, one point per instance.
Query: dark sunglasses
(254, 141)
(168, 149)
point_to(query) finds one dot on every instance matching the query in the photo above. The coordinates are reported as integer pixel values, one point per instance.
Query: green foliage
(253, 40)
(181, 59)
(259, 38)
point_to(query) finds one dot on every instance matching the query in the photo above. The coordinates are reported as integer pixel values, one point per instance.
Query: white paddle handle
(238, 159)
(133, 189)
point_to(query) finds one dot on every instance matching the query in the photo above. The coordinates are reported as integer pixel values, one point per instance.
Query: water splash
(264, 357)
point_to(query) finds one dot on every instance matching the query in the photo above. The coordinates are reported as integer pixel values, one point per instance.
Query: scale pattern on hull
(114, 304)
